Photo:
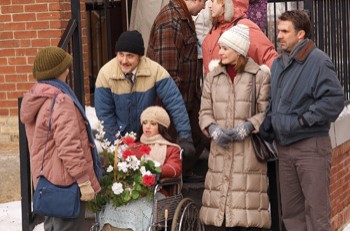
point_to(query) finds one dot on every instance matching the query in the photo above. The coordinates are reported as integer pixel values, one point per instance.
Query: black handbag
(264, 151)
(53, 200)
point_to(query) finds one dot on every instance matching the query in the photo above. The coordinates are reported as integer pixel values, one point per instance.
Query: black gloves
(266, 130)
(186, 143)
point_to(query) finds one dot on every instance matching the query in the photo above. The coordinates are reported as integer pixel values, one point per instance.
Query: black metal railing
(71, 42)
(331, 30)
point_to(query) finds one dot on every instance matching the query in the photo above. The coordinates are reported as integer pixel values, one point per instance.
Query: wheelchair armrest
(174, 183)
(169, 181)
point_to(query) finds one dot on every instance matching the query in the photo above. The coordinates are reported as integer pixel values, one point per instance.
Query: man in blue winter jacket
(131, 82)
(305, 98)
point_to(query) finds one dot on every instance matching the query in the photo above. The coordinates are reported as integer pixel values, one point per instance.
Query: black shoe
(193, 178)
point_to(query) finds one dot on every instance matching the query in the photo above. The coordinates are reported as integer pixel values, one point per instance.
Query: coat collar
(251, 67)
(303, 53)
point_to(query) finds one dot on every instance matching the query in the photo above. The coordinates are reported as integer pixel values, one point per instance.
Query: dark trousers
(304, 175)
(66, 224)
(200, 141)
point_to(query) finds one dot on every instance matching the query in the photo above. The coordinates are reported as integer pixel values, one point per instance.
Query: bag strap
(48, 132)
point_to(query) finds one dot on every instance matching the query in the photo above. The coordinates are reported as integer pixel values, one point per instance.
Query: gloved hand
(219, 135)
(86, 191)
(186, 143)
(266, 130)
(240, 132)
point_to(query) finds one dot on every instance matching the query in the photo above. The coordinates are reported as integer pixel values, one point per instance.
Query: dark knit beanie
(130, 41)
(50, 62)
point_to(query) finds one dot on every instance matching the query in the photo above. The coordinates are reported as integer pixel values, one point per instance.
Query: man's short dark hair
(300, 20)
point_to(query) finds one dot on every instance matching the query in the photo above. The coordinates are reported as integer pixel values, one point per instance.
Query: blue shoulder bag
(54, 200)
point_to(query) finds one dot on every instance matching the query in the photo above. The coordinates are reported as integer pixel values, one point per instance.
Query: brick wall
(340, 185)
(26, 26)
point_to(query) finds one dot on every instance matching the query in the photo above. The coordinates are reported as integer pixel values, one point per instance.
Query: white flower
(131, 134)
(147, 173)
(109, 168)
(134, 163)
(123, 166)
(117, 188)
(143, 170)
(156, 164)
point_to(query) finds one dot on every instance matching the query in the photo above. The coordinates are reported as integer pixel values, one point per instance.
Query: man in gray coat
(305, 98)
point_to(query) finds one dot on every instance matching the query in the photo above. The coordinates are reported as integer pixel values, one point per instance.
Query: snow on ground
(11, 217)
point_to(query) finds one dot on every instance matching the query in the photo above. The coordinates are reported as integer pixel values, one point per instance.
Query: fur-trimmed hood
(235, 9)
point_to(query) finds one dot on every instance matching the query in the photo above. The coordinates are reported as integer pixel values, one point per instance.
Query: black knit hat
(50, 62)
(130, 41)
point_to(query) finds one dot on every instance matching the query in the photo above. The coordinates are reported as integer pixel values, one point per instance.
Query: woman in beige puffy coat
(236, 183)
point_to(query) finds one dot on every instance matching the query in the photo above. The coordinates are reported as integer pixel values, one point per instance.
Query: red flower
(148, 180)
(127, 153)
(145, 150)
(128, 140)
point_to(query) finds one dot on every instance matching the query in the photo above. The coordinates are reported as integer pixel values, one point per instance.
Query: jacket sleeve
(163, 47)
(105, 108)
(328, 96)
(171, 97)
(172, 166)
(206, 114)
(67, 138)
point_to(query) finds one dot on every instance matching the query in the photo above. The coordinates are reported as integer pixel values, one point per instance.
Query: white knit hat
(237, 38)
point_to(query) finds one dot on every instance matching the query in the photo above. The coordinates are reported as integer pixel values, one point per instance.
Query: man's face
(196, 6)
(127, 61)
(287, 36)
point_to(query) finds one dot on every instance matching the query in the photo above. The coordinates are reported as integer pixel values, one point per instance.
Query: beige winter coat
(236, 183)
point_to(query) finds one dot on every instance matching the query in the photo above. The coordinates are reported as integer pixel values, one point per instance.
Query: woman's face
(228, 55)
(150, 128)
(216, 8)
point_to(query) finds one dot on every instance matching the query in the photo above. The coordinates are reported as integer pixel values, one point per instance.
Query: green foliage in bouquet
(129, 174)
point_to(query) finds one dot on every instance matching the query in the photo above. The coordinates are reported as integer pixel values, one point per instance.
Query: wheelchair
(172, 213)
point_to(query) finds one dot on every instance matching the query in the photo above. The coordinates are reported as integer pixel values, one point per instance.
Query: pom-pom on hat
(51, 62)
(237, 38)
(157, 114)
(130, 41)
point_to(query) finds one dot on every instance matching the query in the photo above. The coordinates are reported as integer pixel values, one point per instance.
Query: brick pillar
(340, 185)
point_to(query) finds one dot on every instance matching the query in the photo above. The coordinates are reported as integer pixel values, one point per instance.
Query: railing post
(29, 220)
(25, 174)
(274, 194)
(77, 54)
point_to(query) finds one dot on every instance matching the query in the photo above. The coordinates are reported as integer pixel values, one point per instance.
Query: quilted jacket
(236, 182)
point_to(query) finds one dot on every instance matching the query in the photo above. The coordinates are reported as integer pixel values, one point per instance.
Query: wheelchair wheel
(186, 217)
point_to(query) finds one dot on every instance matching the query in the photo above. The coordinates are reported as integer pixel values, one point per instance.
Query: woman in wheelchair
(137, 215)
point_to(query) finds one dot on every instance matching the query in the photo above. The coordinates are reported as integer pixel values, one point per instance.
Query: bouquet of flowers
(129, 174)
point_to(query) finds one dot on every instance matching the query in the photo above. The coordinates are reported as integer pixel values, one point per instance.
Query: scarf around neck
(158, 147)
(66, 89)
